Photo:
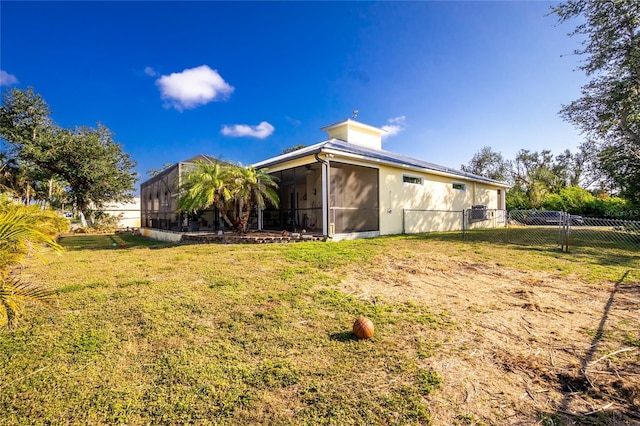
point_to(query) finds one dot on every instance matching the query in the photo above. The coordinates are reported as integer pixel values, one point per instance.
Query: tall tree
(25, 123)
(488, 163)
(93, 167)
(608, 112)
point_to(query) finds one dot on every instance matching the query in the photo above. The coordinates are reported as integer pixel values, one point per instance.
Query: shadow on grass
(345, 336)
(575, 384)
(110, 242)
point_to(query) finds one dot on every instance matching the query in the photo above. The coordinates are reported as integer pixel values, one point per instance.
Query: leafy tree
(87, 161)
(24, 118)
(604, 205)
(489, 164)
(23, 230)
(608, 112)
(572, 199)
(531, 168)
(95, 168)
(24, 123)
(516, 199)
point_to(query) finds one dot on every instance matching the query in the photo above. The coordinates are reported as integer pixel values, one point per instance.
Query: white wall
(130, 213)
(434, 193)
(161, 235)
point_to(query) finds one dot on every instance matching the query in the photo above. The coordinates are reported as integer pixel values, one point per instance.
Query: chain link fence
(543, 229)
(604, 233)
(569, 232)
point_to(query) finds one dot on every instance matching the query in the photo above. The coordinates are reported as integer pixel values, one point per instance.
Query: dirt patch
(527, 347)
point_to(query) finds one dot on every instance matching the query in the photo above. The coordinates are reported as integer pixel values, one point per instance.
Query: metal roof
(376, 156)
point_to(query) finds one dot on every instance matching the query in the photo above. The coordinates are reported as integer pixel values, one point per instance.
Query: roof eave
(412, 167)
(290, 156)
(322, 148)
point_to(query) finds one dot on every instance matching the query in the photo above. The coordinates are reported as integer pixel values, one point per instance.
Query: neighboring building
(348, 187)
(159, 202)
(129, 213)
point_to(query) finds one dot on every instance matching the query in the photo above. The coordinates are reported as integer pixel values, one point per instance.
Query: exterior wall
(130, 213)
(308, 197)
(435, 193)
(161, 235)
(159, 198)
(495, 219)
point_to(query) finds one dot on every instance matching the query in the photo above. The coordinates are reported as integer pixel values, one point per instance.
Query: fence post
(506, 225)
(567, 231)
(464, 227)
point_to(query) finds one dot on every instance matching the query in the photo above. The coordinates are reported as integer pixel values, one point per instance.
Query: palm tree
(204, 186)
(252, 187)
(24, 230)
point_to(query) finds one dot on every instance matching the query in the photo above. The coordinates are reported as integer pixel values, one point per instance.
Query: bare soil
(526, 348)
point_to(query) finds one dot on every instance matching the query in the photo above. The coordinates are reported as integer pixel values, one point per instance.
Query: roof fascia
(284, 158)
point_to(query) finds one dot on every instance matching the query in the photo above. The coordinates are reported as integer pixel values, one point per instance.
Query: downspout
(325, 195)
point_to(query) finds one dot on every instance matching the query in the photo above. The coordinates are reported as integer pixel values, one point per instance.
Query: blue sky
(245, 80)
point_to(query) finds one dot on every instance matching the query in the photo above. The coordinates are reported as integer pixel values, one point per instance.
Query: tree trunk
(223, 212)
(27, 197)
(83, 221)
(50, 190)
(245, 217)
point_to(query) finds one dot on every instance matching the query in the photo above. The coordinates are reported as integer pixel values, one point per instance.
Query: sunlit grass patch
(252, 334)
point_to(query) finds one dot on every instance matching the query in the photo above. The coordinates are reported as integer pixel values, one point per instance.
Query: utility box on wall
(478, 213)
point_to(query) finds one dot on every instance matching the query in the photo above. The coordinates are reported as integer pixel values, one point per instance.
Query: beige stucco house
(348, 187)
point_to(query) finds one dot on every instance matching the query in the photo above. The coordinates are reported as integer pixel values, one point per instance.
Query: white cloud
(193, 87)
(7, 79)
(260, 131)
(150, 71)
(395, 126)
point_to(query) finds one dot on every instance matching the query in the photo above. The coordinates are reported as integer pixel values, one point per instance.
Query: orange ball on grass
(363, 328)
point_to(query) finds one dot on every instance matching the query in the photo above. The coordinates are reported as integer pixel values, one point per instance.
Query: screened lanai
(353, 199)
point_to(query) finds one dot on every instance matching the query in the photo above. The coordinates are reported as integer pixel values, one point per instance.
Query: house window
(412, 179)
(460, 186)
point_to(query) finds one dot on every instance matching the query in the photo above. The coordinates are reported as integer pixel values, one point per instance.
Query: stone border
(248, 239)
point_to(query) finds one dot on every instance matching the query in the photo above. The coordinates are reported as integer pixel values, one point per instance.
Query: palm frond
(13, 294)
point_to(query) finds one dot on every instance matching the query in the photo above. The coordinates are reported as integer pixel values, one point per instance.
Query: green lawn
(236, 334)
